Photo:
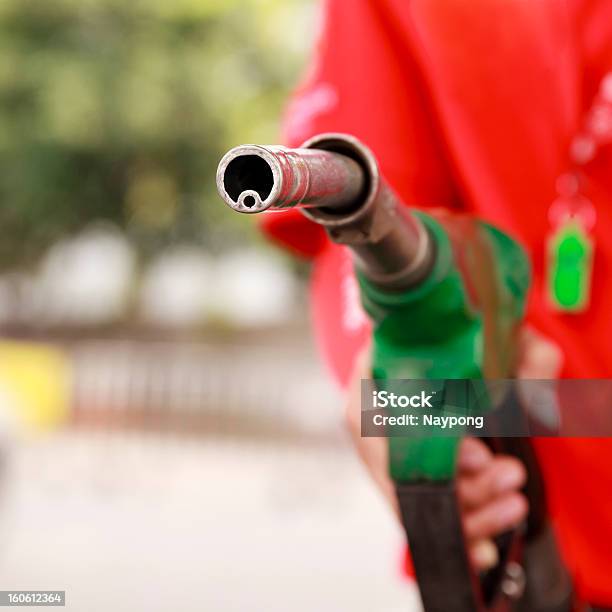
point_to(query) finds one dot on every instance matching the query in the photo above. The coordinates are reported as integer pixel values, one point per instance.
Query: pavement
(150, 521)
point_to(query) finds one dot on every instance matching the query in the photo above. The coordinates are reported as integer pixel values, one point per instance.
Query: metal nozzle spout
(253, 178)
(335, 179)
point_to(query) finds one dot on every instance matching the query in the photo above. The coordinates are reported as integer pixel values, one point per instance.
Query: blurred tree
(121, 110)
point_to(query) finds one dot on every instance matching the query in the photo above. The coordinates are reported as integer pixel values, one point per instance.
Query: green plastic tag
(570, 263)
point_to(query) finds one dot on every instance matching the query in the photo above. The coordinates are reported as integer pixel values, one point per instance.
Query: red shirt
(473, 105)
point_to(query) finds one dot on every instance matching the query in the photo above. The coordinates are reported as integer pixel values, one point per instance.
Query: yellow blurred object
(35, 383)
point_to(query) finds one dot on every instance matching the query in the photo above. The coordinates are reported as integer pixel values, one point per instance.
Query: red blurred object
(473, 105)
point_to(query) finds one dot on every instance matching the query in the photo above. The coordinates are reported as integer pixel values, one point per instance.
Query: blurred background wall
(168, 438)
(113, 116)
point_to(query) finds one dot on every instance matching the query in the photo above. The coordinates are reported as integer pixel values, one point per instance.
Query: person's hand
(488, 485)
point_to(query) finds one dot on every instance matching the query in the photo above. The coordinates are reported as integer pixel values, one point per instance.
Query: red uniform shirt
(473, 105)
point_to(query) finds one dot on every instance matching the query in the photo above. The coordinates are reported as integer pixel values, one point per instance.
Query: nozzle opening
(248, 173)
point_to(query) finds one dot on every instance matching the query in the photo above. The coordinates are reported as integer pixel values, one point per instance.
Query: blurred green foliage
(121, 110)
